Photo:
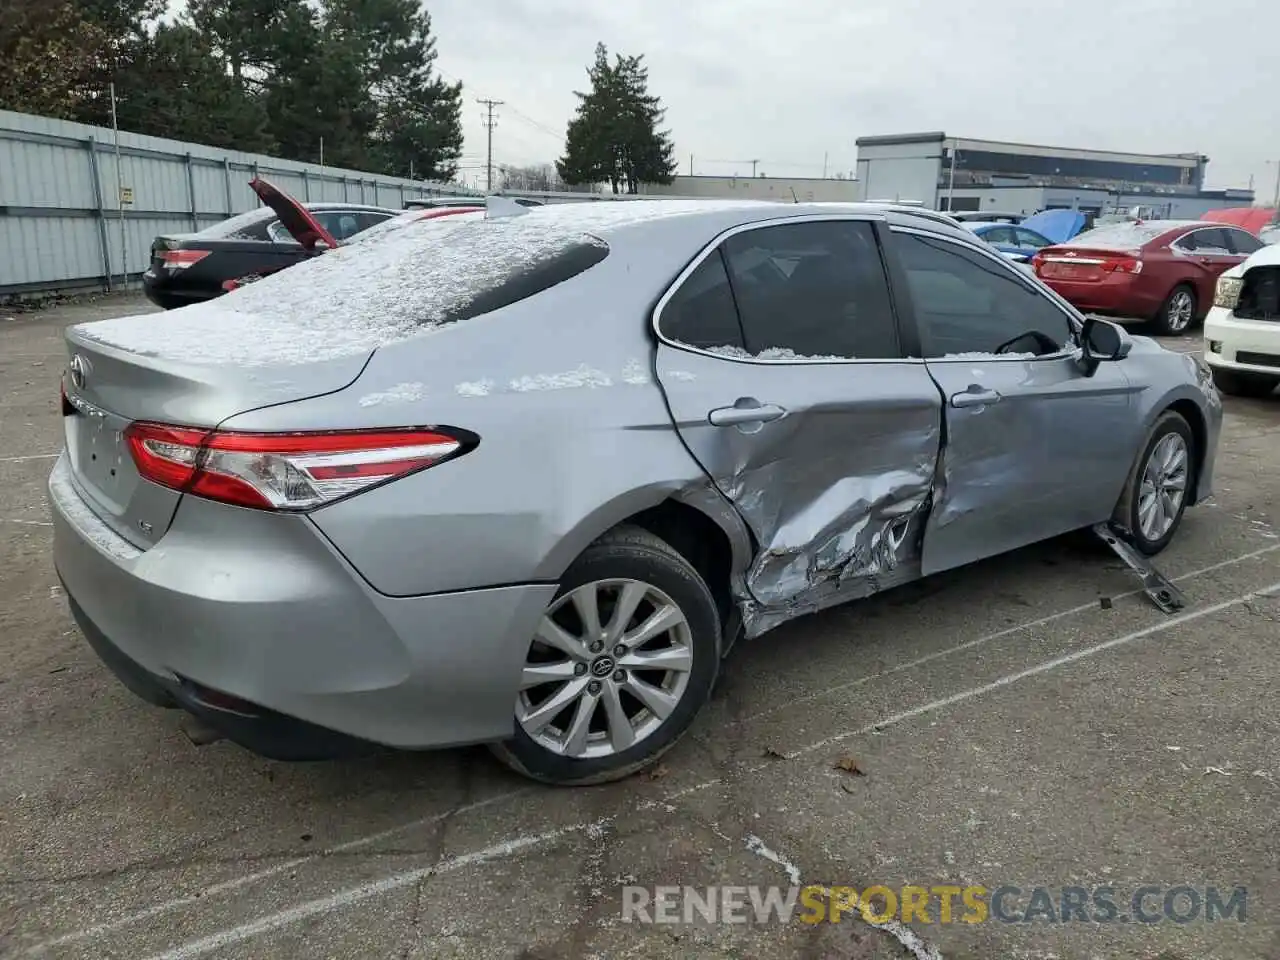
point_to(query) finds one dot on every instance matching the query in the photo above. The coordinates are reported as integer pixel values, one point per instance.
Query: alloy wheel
(1180, 311)
(1164, 484)
(608, 665)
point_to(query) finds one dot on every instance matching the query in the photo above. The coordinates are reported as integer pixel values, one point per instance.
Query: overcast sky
(788, 81)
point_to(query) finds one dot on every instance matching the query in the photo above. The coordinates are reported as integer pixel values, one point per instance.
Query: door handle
(737, 415)
(975, 396)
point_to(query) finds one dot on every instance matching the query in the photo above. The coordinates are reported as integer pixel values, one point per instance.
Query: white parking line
(28, 523)
(517, 845)
(34, 456)
(100, 929)
(979, 641)
(168, 906)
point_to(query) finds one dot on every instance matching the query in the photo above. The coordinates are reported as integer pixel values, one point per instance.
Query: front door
(1034, 448)
(780, 360)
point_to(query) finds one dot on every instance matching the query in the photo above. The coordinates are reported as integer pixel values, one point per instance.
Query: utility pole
(489, 124)
(124, 243)
(1276, 200)
(753, 168)
(951, 181)
(691, 164)
(824, 165)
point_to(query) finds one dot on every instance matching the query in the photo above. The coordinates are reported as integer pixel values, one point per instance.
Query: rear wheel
(1239, 384)
(1156, 496)
(622, 661)
(1178, 311)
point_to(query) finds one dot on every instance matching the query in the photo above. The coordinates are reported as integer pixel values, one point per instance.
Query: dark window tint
(968, 302)
(1206, 241)
(1243, 242)
(998, 235)
(817, 289)
(523, 280)
(702, 312)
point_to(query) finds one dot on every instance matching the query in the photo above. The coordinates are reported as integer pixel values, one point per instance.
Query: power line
(489, 123)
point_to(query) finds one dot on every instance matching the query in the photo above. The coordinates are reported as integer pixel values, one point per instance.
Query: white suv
(1242, 331)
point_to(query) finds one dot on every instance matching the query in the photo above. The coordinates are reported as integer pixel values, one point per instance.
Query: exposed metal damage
(1157, 586)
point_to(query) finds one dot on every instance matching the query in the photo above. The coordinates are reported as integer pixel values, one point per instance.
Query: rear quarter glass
(245, 226)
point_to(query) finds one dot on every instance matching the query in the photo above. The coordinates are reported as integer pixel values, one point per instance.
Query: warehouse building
(962, 174)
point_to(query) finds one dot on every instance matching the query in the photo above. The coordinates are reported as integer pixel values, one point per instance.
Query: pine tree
(614, 136)
(51, 56)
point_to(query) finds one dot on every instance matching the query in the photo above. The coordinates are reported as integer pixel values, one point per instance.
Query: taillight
(181, 259)
(1122, 265)
(281, 471)
(1037, 260)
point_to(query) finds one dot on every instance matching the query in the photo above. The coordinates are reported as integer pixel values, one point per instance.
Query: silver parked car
(524, 478)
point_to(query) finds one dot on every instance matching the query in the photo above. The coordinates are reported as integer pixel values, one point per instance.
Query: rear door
(1034, 448)
(789, 381)
(1210, 252)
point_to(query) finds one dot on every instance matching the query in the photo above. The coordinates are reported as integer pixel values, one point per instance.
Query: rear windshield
(1123, 236)
(245, 226)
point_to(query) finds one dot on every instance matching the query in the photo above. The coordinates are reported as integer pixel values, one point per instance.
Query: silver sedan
(523, 477)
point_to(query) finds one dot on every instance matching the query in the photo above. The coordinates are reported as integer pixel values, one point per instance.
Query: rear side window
(702, 312)
(1206, 241)
(245, 226)
(814, 289)
(998, 235)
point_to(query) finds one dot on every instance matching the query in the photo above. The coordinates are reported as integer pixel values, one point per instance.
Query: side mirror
(1101, 340)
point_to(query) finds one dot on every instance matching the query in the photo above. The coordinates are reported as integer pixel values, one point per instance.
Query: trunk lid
(296, 218)
(108, 387)
(1081, 264)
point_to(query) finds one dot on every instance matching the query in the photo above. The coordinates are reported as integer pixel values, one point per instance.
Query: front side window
(814, 289)
(970, 303)
(1244, 242)
(998, 235)
(1029, 238)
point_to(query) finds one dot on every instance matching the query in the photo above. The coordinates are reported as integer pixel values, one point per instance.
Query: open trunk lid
(108, 387)
(296, 218)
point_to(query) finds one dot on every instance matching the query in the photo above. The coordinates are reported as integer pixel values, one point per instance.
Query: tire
(1238, 384)
(1134, 502)
(544, 747)
(1178, 312)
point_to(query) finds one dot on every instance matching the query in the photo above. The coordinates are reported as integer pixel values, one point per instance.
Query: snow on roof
(1130, 235)
(365, 295)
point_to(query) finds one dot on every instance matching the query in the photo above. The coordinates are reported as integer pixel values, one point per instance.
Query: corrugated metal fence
(65, 222)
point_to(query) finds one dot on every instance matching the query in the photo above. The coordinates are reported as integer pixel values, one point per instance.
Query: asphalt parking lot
(1027, 721)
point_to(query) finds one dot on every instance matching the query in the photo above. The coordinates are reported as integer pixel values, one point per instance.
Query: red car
(1159, 270)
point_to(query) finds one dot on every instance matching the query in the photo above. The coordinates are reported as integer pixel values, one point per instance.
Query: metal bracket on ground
(1157, 586)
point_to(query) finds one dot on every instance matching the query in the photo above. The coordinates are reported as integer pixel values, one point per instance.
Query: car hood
(296, 218)
(1057, 226)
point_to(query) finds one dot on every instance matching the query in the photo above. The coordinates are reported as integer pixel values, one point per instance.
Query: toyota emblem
(79, 371)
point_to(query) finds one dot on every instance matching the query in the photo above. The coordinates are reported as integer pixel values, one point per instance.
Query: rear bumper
(164, 294)
(1250, 346)
(1120, 295)
(260, 607)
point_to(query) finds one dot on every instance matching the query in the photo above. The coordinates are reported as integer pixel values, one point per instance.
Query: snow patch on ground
(400, 393)
(582, 376)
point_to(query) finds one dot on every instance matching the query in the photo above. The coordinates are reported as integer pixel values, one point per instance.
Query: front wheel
(1156, 496)
(1177, 312)
(622, 661)
(1239, 384)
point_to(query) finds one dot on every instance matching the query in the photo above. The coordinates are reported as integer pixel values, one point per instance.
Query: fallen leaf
(849, 765)
(658, 772)
(773, 754)
(847, 786)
